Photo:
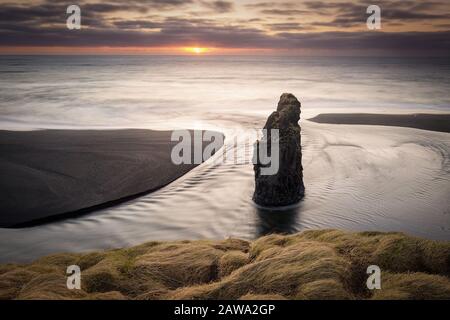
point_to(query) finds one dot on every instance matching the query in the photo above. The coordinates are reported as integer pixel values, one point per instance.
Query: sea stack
(285, 187)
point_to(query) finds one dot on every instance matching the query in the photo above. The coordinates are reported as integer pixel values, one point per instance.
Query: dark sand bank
(319, 264)
(54, 174)
(432, 122)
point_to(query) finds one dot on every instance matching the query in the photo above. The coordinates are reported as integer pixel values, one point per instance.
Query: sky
(286, 27)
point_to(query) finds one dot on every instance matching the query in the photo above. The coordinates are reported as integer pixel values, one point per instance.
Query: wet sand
(358, 178)
(55, 174)
(432, 122)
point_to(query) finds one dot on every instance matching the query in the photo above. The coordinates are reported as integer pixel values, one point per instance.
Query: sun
(196, 50)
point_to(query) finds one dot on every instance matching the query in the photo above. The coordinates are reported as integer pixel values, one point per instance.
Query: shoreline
(423, 121)
(188, 208)
(50, 175)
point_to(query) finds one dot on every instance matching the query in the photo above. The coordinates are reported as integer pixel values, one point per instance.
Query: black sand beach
(432, 122)
(54, 174)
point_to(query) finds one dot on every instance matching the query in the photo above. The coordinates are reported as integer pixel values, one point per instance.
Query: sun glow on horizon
(197, 50)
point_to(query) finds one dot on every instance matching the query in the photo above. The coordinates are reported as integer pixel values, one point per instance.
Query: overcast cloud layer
(409, 27)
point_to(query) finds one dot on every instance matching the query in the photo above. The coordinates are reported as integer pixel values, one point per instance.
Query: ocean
(357, 178)
(145, 91)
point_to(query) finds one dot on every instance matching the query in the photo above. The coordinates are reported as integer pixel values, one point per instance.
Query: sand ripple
(356, 178)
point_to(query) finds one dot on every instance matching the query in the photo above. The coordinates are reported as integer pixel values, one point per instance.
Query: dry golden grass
(322, 264)
(231, 261)
(252, 296)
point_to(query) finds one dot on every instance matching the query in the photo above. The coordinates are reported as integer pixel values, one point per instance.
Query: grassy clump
(322, 264)
(231, 261)
(413, 286)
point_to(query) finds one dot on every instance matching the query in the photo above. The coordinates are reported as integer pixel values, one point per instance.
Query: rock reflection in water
(277, 220)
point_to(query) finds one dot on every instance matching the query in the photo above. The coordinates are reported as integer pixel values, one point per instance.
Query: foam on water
(356, 177)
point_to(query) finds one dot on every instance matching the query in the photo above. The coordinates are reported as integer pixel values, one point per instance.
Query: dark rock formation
(285, 187)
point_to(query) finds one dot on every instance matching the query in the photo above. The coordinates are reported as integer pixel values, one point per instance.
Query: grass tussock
(231, 261)
(322, 264)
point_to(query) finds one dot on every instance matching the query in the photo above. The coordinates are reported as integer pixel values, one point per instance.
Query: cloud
(219, 6)
(277, 4)
(179, 32)
(274, 27)
(399, 13)
(424, 42)
(283, 12)
(289, 26)
(151, 4)
(392, 10)
(137, 24)
(411, 15)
